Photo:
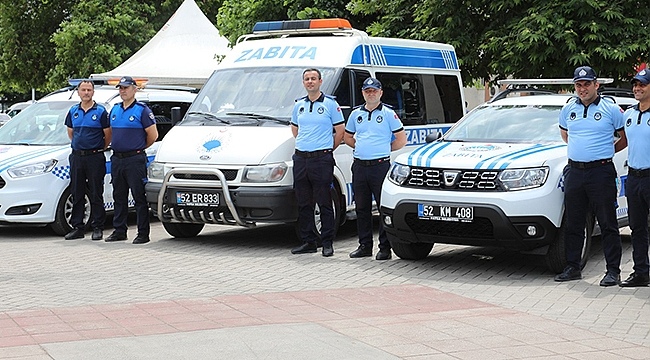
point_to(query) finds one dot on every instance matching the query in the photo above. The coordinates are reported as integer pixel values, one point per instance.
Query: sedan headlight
(265, 173)
(399, 173)
(32, 169)
(156, 170)
(518, 179)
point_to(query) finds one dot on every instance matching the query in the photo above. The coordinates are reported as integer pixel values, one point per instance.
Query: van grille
(449, 179)
(229, 175)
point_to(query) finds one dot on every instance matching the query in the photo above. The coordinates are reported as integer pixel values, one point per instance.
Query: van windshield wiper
(260, 117)
(208, 115)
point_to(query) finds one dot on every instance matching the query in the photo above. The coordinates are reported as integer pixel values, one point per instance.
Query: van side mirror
(176, 115)
(433, 136)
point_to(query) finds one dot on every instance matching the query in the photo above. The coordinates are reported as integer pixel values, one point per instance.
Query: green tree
(538, 38)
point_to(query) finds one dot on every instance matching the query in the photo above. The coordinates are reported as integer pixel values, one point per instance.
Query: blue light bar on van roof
(270, 26)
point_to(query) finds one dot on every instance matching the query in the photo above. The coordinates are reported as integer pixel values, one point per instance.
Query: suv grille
(229, 174)
(2, 182)
(448, 179)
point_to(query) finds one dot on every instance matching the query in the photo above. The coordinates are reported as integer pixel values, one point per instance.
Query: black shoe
(635, 280)
(384, 254)
(610, 279)
(75, 234)
(569, 273)
(361, 251)
(305, 248)
(97, 234)
(115, 236)
(328, 250)
(141, 239)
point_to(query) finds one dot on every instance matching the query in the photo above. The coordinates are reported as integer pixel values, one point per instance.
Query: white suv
(494, 179)
(34, 151)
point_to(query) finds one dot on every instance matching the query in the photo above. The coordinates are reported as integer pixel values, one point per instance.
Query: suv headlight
(399, 173)
(32, 169)
(518, 179)
(265, 173)
(156, 170)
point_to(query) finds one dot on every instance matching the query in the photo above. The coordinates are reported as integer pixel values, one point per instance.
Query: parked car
(494, 179)
(34, 151)
(4, 118)
(18, 107)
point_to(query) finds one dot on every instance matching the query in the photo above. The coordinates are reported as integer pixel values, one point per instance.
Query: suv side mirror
(176, 115)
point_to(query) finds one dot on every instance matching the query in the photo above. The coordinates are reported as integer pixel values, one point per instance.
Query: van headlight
(519, 179)
(265, 173)
(399, 173)
(32, 169)
(156, 170)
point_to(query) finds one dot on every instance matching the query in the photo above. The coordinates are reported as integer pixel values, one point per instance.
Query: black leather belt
(372, 162)
(639, 173)
(87, 152)
(590, 164)
(127, 154)
(311, 154)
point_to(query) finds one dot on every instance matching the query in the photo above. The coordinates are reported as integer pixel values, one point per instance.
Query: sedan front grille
(449, 179)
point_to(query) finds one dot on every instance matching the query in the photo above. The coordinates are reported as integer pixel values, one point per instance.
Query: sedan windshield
(251, 96)
(509, 123)
(39, 124)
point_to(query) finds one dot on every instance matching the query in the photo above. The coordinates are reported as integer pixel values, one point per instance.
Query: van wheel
(556, 256)
(411, 251)
(183, 230)
(61, 224)
(338, 219)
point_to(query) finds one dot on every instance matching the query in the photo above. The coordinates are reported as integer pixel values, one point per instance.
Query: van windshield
(269, 92)
(39, 124)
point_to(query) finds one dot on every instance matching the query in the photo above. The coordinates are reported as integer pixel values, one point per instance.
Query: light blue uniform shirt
(637, 131)
(591, 128)
(373, 131)
(315, 122)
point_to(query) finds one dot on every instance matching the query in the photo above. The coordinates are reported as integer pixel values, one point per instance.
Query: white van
(231, 154)
(34, 151)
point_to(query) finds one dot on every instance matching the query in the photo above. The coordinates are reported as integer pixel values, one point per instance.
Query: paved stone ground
(42, 276)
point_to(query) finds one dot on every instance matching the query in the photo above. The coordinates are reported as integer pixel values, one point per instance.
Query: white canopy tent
(184, 52)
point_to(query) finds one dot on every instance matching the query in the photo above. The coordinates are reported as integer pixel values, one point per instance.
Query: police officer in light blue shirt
(90, 133)
(317, 124)
(373, 130)
(588, 124)
(637, 186)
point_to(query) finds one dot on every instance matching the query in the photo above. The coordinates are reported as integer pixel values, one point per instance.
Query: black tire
(556, 256)
(61, 224)
(182, 230)
(411, 251)
(339, 216)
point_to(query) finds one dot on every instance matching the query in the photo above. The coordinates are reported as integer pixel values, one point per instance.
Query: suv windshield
(39, 124)
(509, 123)
(252, 95)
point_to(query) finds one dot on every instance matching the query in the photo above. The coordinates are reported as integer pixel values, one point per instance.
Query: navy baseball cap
(126, 81)
(642, 76)
(584, 73)
(371, 83)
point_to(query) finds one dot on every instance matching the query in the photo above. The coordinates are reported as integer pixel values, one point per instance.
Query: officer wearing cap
(134, 130)
(90, 133)
(588, 124)
(637, 186)
(373, 130)
(317, 124)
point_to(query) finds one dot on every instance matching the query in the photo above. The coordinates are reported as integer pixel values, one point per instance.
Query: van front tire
(61, 224)
(181, 230)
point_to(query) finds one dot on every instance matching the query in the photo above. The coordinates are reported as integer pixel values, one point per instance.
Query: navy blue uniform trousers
(637, 191)
(595, 187)
(130, 173)
(366, 183)
(87, 172)
(312, 183)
